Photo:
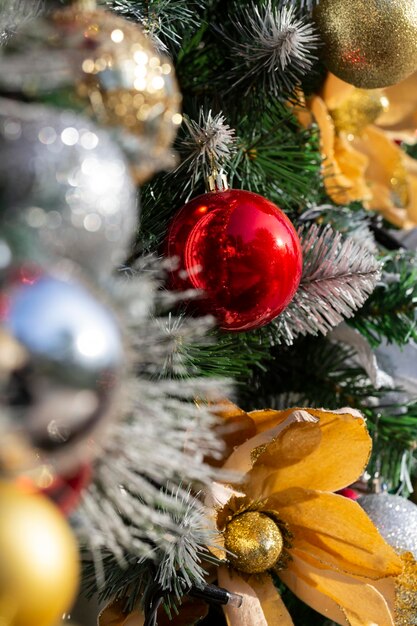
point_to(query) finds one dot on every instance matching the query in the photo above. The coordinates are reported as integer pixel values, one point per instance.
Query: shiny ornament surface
(106, 66)
(67, 184)
(254, 542)
(368, 43)
(39, 566)
(396, 519)
(67, 385)
(242, 251)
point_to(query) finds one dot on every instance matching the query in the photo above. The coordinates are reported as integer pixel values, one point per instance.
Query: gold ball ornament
(39, 566)
(368, 43)
(107, 67)
(254, 542)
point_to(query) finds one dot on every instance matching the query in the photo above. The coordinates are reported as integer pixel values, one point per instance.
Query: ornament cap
(217, 181)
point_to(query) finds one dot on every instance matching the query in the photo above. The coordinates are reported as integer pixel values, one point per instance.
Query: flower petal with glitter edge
(304, 454)
(336, 531)
(342, 186)
(261, 605)
(241, 460)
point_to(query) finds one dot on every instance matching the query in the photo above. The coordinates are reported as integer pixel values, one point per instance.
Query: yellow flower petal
(336, 531)
(303, 455)
(343, 167)
(314, 598)
(400, 119)
(235, 428)
(392, 177)
(262, 604)
(411, 168)
(241, 459)
(335, 91)
(361, 603)
(385, 163)
(268, 418)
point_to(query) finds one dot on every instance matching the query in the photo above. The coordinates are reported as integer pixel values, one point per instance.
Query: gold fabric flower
(330, 554)
(361, 158)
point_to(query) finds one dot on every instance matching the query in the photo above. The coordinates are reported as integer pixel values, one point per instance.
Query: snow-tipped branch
(276, 46)
(338, 276)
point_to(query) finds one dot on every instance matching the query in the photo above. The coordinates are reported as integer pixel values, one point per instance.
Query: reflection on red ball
(242, 251)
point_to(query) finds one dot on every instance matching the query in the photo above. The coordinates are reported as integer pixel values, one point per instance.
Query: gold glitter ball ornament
(39, 566)
(124, 80)
(368, 43)
(254, 542)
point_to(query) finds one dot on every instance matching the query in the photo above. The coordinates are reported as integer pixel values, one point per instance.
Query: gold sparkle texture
(361, 108)
(368, 43)
(122, 79)
(38, 559)
(254, 542)
(406, 592)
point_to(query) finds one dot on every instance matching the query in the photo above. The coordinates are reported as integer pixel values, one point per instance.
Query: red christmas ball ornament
(242, 251)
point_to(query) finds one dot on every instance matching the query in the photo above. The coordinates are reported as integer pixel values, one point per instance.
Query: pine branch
(173, 569)
(157, 450)
(302, 5)
(394, 432)
(277, 158)
(228, 354)
(274, 47)
(391, 311)
(166, 21)
(205, 145)
(312, 372)
(338, 276)
(351, 221)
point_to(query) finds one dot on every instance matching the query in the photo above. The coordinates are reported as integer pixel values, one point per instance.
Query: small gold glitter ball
(368, 43)
(254, 542)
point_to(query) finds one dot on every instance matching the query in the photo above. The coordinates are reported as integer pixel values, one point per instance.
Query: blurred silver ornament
(68, 183)
(396, 519)
(65, 382)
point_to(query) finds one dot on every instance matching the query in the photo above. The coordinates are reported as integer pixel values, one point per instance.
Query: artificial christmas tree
(121, 370)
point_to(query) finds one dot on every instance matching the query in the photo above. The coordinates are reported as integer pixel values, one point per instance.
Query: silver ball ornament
(396, 519)
(67, 381)
(68, 183)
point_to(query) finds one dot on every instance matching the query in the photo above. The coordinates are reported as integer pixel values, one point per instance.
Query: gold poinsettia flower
(284, 519)
(362, 160)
